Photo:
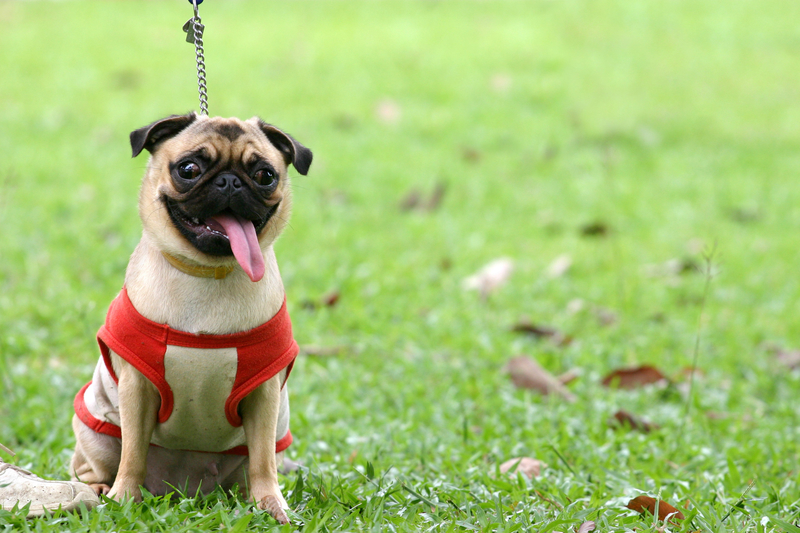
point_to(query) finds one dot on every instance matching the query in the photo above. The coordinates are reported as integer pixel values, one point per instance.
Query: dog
(190, 389)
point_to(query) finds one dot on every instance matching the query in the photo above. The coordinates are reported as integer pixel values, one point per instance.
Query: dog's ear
(148, 137)
(293, 152)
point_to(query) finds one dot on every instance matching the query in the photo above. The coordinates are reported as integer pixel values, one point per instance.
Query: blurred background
(601, 147)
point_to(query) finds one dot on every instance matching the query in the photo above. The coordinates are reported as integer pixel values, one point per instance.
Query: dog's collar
(197, 270)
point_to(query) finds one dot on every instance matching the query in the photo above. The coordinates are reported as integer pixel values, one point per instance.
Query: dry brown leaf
(586, 527)
(788, 358)
(331, 299)
(605, 317)
(501, 83)
(388, 111)
(411, 200)
(470, 154)
(542, 332)
(525, 465)
(436, 197)
(674, 267)
(353, 456)
(632, 378)
(569, 376)
(527, 374)
(624, 418)
(643, 503)
(595, 229)
(559, 266)
(491, 277)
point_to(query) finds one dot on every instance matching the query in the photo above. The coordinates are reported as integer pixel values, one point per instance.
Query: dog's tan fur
(165, 295)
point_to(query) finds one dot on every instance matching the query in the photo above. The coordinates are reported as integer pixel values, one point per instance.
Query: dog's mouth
(223, 234)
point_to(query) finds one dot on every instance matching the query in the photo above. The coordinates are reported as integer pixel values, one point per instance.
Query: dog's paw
(122, 491)
(275, 506)
(101, 489)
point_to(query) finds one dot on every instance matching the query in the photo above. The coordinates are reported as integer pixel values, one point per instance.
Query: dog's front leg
(260, 421)
(139, 402)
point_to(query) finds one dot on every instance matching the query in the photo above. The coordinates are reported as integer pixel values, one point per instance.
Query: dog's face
(217, 189)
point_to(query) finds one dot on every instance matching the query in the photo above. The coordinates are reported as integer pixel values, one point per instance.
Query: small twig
(7, 450)
(741, 499)
(548, 500)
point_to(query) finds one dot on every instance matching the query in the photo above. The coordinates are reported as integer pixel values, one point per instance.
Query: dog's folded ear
(148, 137)
(293, 152)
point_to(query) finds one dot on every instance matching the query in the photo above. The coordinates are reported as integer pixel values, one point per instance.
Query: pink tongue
(244, 244)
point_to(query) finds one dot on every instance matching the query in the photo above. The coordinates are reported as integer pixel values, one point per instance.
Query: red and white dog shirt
(201, 378)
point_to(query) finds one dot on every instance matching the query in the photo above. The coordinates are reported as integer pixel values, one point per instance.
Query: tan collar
(197, 270)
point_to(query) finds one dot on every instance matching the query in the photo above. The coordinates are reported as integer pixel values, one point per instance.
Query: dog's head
(217, 189)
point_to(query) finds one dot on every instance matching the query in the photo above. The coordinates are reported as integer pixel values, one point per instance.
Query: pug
(190, 389)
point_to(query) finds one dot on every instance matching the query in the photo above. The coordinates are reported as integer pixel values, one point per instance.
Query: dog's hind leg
(96, 457)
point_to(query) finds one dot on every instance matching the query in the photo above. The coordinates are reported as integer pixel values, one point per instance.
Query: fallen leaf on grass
(500, 83)
(595, 229)
(559, 266)
(526, 373)
(674, 267)
(328, 300)
(605, 317)
(491, 277)
(632, 378)
(413, 200)
(787, 357)
(388, 111)
(643, 503)
(624, 418)
(331, 299)
(569, 376)
(586, 527)
(542, 332)
(473, 155)
(525, 465)
(436, 197)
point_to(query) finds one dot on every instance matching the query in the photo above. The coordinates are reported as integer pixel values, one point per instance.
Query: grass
(674, 126)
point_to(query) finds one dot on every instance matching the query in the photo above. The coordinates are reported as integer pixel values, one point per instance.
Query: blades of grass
(738, 503)
(789, 528)
(562, 459)
(418, 495)
(708, 257)
(241, 524)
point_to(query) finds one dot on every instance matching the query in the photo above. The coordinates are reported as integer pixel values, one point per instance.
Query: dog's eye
(189, 170)
(264, 176)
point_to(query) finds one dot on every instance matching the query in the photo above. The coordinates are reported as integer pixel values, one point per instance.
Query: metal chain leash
(194, 34)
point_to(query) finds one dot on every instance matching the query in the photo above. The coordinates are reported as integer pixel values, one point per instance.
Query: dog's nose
(227, 183)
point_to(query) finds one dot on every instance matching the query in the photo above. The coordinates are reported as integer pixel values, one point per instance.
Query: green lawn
(668, 127)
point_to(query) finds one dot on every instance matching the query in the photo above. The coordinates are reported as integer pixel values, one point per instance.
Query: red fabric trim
(107, 428)
(284, 443)
(88, 418)
(266, 332)
(120, 334)
(143, 343)
(250, 374)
